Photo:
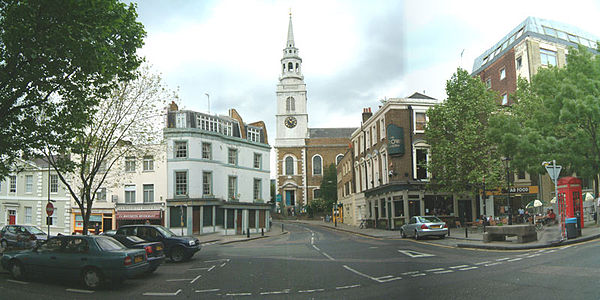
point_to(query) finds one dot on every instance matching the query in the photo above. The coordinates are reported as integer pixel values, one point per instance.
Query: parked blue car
(92, 259)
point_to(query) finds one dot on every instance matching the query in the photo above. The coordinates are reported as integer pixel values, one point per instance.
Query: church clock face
(290, 122)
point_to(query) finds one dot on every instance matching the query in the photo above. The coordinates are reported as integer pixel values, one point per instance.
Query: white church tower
(292, 118)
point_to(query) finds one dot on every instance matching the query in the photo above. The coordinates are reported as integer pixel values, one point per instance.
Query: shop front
(99, 222)
(154, 217)
(498, 203)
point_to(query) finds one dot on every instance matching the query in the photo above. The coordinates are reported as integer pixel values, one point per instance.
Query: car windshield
(109, 244)
(34, 230)
(166, 232)
(430, 220)
(135, 239)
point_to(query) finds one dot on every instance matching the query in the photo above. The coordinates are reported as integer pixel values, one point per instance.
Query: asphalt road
(312, 262)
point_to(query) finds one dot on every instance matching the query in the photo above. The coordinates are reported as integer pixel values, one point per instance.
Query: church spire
(290, 37)
(291, 62)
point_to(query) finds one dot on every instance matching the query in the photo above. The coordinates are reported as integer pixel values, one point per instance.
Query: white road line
(359, 273)
(216, 260)
(312, 240)
(418, 275)
(553, 250)
(532, 255)
(469, 268)
(482, 263)
(385, 277)
(502, 259)
(211, 268)
(388, 280)
(515, 259)
(171, 280)
(458, 267)
(222, 265)
(239, 294)
(443, 272)
(286, 291)
(163, 294)
(411, 272)
(197, 277)
(316, 248)
(373, 247)
(79, 291)
(327, 255)
(17, 281)
(565, 247)
(496, 263)
(207, 291)
(199, 269)
(346, 287)
(311, 291)
(434, 270)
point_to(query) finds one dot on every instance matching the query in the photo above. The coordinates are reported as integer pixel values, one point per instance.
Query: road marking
(533, 255)
(434, 270)
(373, 247)
(311, 291)
(418, 275)
(496, 263)
(347, 287)
(222, 265)
(458, 267)
(163, 294)
(515, 259)
(359, 273)
(17, 281)
(239, 294)
(217, 260)
(482, 263)
(198, 269)
(565, 247)
(412, 253)
(411, 272)
(553, 250)
(443, 272)
(327, 255)
(469, 268)
(388, 280)
(79, 291)
(197, 277)
(316, 248)
(385, 277)
(171, 280)
(210, 244)
(207, 291)
(502, 259)
(286, 291)
(312, 240)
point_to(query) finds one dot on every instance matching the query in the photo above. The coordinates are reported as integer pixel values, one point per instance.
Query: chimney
(366, 114)
(173, 106)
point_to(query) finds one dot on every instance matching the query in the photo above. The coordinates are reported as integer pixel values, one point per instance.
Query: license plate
(436, 226)
(158, 248)
(138, 259)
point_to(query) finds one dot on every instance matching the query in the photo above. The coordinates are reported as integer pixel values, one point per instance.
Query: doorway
(238, 223)
(464, 210)
(290, 198)
(414, 208)
(12, 217)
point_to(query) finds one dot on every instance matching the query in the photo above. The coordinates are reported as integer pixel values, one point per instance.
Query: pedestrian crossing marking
(415, 254)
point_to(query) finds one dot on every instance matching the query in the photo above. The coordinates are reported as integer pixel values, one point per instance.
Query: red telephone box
(570, 187)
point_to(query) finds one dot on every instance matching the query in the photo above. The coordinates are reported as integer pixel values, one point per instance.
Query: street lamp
(506, 161)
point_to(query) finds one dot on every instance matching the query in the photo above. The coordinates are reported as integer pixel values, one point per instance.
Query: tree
(329, 187)
(130, 117)
(461, 155)
(59, 58)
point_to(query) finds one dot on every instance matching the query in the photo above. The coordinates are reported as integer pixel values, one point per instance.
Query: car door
(411, 226)
(74, 256)
(45, 259)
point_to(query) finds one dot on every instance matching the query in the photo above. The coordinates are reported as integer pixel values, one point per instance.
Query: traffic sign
(49, 209)
(553, 171)
(278, 198)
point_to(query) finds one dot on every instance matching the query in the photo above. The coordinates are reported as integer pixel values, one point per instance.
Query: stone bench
(524, 233)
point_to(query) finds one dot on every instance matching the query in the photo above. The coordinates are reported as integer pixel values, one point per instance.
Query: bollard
(262, 232)
(248, 232)
(466, 232)
(281, 227)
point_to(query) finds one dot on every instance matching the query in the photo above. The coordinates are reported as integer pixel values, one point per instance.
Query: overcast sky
(354, 52)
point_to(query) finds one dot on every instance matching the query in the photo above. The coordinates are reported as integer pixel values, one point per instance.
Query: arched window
(290, 67)
(283, 68)
(290, 104)
(317, 165)
(289, 165)
(338, 158)
(297, 67)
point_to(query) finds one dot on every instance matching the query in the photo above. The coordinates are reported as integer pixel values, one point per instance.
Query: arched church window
(317, 165)
(290, 66)
(297, 67)
(289, 166)
(290, 104)
(338, 158)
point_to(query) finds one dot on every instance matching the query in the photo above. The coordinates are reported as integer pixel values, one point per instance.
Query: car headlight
(192, 243)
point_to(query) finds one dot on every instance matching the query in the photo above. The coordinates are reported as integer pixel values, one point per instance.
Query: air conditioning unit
(115, 198)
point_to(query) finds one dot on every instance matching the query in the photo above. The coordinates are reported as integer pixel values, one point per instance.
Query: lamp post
(506, 161)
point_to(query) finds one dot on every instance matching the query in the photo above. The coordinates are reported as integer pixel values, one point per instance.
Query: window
(148, 163)
(28, 183)
(289, 166)
(206, 151)
(519, 62)
(13, 184)
(316, 193)
(504, 99)
(382, 129)
(367, 139)
(549, 31)
(53, 183)
(548, 57)
(232, 188)
(488, 83)
(181, 149)
(232, 157)
(101, 194)
(290, 104)
(338, 158)
(573, 38)
(254, 134)
(28, 211)
(257, 160)
(502, 73)
(420, 121)
(257, 190)
(130, 164)
(148, 193)
(180, 120)
(317, 165)
(129, 193)
(521, 175)
(374, 134)
(181, 187)
(421, 163)
(206, 183)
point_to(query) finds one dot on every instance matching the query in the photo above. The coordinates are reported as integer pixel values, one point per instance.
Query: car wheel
(416, 235)
(177, 255)
(402, 234)
(92, 278)
(17, 271)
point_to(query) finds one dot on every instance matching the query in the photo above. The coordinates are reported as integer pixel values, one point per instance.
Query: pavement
(473, 237)
(220, 239)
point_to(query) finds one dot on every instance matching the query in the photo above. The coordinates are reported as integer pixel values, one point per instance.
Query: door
(106, 224)
(196, 219)
(12, 217)
(290, 198)
(464, 211)
(414, 208)
(73, 257)
(46, 260)
(238, 223)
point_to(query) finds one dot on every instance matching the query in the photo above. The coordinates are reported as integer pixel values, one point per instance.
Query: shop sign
(395, 137)
(533, 189)
(138, 215)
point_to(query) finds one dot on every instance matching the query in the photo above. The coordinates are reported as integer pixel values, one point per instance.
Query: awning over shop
(138, 215)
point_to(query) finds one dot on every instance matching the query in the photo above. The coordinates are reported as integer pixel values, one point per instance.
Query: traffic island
(524, 233)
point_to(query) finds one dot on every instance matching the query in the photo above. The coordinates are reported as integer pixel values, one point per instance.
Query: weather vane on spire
(290, 12)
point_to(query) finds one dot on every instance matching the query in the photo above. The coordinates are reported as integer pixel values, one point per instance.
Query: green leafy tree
(461, 155)
(57, 60)
(329, 187)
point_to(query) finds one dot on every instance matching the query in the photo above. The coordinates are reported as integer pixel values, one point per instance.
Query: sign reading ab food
(395, 137)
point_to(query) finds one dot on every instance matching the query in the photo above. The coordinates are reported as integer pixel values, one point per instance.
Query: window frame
(53, 183)
(12, 183)
(130, 195)
(505, 99)
(206, 151)
(232, 186)
(28, 184)
(503, 73)
(293, 165)
(314, 165)
(257, 161)
(207, 183)
(28, 216)
(130, 164)
(415, 123)
(545, 54)
(177, 184)
(148, 163)
(257, 189)
(233, 158)
(415, 165)
(148, 194)
(176, 149)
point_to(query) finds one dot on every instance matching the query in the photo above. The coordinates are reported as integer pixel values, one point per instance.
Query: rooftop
(330, 132)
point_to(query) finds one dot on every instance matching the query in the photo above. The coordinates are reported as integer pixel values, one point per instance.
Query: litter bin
(578, 217)
(571, 224)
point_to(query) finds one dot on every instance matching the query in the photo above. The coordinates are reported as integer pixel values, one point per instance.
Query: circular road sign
(49, 209)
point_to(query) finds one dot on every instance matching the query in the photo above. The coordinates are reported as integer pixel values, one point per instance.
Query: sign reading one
(278, 198)
(49, 209)
(395, 137)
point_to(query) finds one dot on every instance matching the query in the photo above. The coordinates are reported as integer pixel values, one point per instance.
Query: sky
(355, 53)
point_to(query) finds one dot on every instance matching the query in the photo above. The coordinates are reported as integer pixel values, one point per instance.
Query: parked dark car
(93, 259)
(21, 236)
(177, 248)
(154, 250)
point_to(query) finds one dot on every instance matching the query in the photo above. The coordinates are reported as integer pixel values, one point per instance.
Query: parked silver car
(421, 226)
(21, 236)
